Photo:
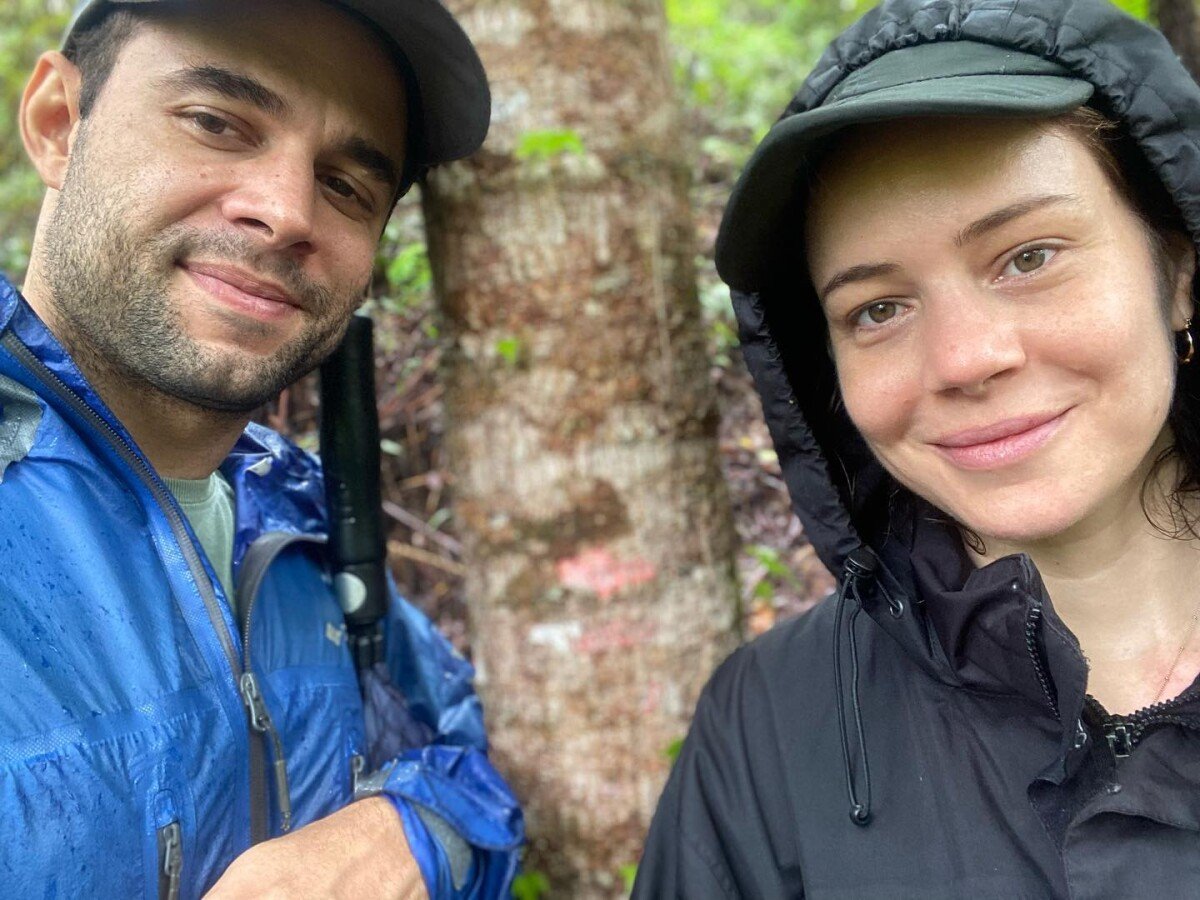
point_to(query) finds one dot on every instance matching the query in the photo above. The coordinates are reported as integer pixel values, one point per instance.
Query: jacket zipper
(257, 559)
(1121, 732)
(260, 721)
(1033, 621)
(170, 861)
(258, 787)
(1124, 732)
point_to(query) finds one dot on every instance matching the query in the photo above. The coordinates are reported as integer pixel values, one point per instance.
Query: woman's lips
(1001, 444)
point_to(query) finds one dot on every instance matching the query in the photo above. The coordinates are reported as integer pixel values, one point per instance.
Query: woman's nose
(970, 339)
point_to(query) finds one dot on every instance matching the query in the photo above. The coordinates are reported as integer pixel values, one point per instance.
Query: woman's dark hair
(1136, 182)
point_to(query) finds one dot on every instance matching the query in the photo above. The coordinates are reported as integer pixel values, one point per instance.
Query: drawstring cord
(860, 566)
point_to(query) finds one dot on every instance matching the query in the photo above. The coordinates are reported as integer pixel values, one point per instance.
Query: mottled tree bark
(1178, 20)
(582, 424)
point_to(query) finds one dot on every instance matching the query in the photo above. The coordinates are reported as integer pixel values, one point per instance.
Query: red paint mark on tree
(600, 572)
(653, 697)
(620, 634)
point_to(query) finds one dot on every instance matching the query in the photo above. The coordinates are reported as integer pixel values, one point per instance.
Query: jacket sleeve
(722, 828)
(462, 821)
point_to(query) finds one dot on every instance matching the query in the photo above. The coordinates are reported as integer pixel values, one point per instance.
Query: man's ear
(49, 114)
(1183, 257)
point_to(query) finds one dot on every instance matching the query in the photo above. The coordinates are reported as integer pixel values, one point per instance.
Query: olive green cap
(953, 78)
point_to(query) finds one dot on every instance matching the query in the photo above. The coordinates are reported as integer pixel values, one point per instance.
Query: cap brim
(762, 208)
(456, 102)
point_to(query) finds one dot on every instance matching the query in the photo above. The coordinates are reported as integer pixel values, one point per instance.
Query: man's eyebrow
(863, 272)
(996, 219)
(381, 166)
(227, 83)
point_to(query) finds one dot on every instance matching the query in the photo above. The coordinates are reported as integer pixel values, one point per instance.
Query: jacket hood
(842, 495)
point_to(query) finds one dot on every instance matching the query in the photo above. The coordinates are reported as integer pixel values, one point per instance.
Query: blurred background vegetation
(26, 28)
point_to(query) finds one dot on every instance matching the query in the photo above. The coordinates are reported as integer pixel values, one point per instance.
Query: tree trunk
(581, 424)
(1177, 19)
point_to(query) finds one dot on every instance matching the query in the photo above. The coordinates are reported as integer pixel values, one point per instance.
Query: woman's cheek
(880, 400)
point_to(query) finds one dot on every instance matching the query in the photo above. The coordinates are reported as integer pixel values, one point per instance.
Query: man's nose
(276, 199)
(971, 338)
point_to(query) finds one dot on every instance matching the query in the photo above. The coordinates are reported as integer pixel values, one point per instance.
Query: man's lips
(242, 290)
(1000, 443)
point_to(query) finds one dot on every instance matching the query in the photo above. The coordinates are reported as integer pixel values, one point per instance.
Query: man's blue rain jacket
(146, 737)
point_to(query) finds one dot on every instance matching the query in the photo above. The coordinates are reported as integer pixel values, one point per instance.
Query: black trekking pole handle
(350, 458)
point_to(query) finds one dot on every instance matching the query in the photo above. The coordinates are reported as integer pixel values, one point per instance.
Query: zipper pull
(260, 721)
(358, 765)
(281, 786)
(170, 851)
(1120, 737)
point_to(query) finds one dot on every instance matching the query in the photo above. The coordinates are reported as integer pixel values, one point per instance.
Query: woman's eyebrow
(974, 231)
(227, 83)
(1003, 216)
(863, 272)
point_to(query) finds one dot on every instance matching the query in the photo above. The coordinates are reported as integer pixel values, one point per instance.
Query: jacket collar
(993, 629)
(18, 317)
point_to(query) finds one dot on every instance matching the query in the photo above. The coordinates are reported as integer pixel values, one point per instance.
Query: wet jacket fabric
(943, 704)
(146, 737)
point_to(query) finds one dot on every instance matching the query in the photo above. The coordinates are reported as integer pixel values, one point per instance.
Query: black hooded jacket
(967, 759)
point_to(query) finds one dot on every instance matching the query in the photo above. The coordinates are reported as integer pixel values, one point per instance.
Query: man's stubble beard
(111, 292)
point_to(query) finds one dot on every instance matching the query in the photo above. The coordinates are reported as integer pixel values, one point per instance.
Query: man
(181, 715)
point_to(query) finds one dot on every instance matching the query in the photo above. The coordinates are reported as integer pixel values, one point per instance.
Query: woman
(963, 267)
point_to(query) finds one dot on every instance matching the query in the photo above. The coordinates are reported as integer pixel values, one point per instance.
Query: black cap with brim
(455, 103)
(961, 78)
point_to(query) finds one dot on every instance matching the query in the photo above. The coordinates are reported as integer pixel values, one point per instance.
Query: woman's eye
(878, 313)
(1028, 261)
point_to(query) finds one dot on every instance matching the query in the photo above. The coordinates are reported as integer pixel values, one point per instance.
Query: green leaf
(628, 874)
(548, 144)
(769, 559)
(673, 748)
(764, 590)
(530, 885)
(409, 269)
(1139, 9)
(510, 349)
